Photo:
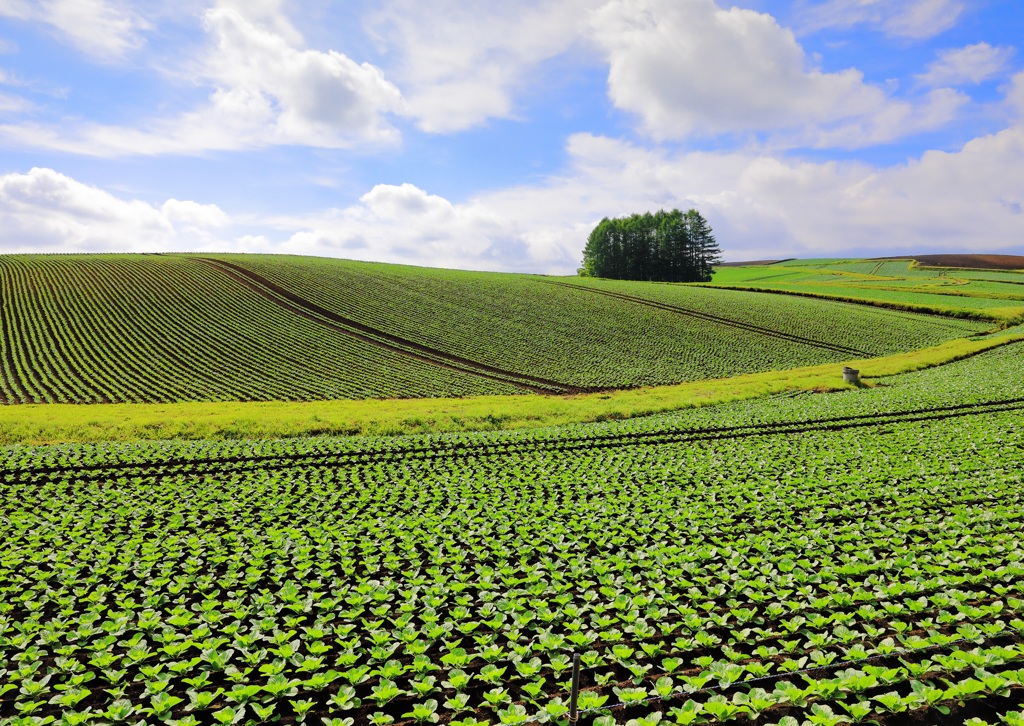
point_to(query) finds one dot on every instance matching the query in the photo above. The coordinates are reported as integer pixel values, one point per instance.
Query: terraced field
(164, 328)
(983, 294)
(818, 559)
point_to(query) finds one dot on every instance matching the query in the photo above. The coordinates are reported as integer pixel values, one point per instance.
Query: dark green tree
(664, 246)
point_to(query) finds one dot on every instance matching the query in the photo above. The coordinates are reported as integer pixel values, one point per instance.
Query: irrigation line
(792, 674)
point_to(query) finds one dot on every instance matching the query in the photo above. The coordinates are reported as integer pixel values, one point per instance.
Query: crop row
(153, 328)
(164, 467)
(520, 323)
(896, 283)
(455, 589)
(990, 376)
(719, 320)
(299, 305)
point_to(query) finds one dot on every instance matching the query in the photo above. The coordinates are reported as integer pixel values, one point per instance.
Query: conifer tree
(664, 246)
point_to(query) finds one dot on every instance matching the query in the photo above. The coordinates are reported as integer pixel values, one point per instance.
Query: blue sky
(490, 135)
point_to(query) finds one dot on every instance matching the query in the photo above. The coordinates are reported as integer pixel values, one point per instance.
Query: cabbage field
(171, 328)
(902, 284)
(812, 559)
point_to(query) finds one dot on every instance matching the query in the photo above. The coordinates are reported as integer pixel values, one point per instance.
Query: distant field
(988, 262)
(165, 328)
(992, 294)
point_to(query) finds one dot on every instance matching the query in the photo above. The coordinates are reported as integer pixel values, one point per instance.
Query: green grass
(172, 328)
(58, 423)
(896, 284)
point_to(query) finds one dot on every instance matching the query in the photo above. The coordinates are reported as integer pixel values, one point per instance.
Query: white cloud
(971, 64)
(761, 206)
(317, 98)
(45, 211)
(695, 68)
(1015, 95)
(104, 29)
(461, 62)
(896, 120)
(915, 19)
(267, 14)
(406, 224)
(266, 92)
(11, 104)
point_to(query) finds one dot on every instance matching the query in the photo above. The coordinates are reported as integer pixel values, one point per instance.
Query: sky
(494, 135)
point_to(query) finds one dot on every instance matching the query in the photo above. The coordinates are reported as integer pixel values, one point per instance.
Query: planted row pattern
(455, 589)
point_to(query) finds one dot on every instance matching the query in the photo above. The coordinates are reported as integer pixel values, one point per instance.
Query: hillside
(161, 328)
(978, 262)
(990, 291)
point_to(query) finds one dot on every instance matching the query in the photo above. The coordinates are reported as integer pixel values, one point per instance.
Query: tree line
(665, 246)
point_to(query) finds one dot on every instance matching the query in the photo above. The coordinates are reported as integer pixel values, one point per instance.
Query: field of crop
(132, 328)
(983, 294)
(554, 328)
(816, 559)
(166, 328)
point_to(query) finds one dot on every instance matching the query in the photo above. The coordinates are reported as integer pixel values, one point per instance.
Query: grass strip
(95, 423)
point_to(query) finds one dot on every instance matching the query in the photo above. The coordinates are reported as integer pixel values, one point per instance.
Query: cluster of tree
(664, 246)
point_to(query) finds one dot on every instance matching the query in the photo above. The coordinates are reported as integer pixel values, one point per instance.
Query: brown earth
(981, 262)
(754, 262)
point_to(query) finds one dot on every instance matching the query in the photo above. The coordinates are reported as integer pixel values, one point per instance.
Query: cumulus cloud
(971, 64)
(104, 29)
(403, 223)
(266, 92)
(762, 206)
(695, 68)
(45, 211)
(462, 61)
(914, 19)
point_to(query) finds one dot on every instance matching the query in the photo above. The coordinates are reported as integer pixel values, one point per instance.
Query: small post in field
(574, 692)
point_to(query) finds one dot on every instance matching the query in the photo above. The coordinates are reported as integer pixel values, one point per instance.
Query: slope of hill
(977, 262)
(995, 294)
(156, 328)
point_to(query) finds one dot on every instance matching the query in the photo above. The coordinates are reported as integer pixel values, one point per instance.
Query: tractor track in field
(309, 310)
(456, 450)
(719, 320)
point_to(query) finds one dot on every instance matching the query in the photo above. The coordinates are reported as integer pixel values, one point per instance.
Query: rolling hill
(163, 328)
(980, 286)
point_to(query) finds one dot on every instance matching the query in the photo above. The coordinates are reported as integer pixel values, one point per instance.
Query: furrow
(709, 317)
(311, 311)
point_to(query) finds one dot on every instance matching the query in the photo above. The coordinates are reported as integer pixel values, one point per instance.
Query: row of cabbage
(991, 376)
(134, 328)
(876, 331)
(824, 577)
(524, 323)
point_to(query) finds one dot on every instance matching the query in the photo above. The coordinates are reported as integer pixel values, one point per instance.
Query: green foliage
(317, 581)
(664, 246)
(170, 328)
(899, 284)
